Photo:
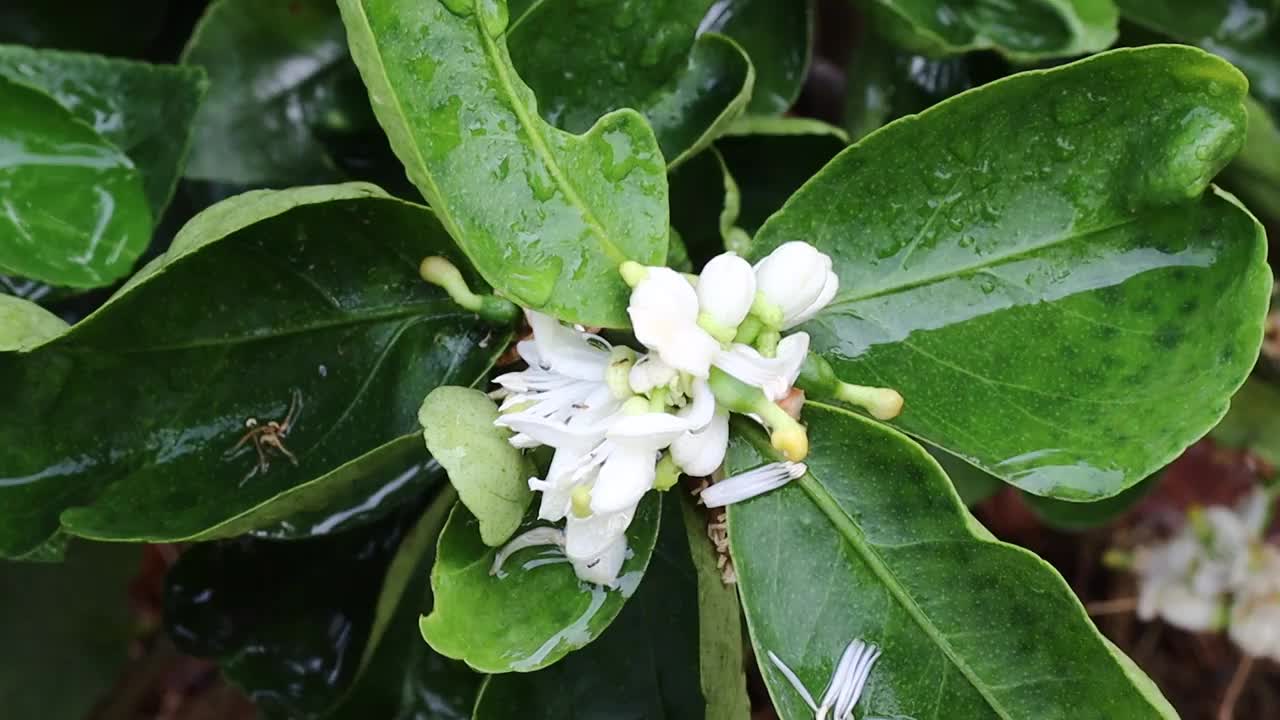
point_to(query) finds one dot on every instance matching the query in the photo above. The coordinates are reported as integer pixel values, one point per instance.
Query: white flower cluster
(622, 424)
(1217, 572)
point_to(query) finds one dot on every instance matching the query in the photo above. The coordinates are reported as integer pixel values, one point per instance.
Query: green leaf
(971, 484)
(1025, 31)
(488, 473)
(874, 544)
(1079, 516)
(778, 37)
(642, 54)
(703, 210)
(66, 632)
(545, 216)
(308, 296)
(25, 325)
(1255, 173)
(1065, 213)
(145, 110)
(1253, 422)
(280, 78)
(74, 211)
(532, 613)
(646, 665)
(89, 25)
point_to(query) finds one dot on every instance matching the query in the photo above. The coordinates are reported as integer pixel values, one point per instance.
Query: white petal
(567, 351)
(586, 538)
(751, 483)
(829, 288)
(792, 277)
(795, 681)
(649, 431)
(664, 316)
(624, 478)
(774, 376)
(700, 453)
(726, 289)
(603, 568)
(553, 432)
(650, 372)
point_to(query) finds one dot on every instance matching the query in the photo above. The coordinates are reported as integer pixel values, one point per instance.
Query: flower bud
(797, 279)
(726, 289)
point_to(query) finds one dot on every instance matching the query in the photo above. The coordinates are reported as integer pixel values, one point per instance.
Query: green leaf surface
(307, 299)
(1253, 422)
(1255, 173)
(24, 325)
(1024, 31)
(544, 215)
(1080, 516)
(535, 610)
(703, 210)
(1068, 213)
(144, 110)
(874, 544)
(73, 210)
(642, 54)
(489, 474)
(971, 484)
(778, 37)
(644, 666)
(66, 631)
(280, 79)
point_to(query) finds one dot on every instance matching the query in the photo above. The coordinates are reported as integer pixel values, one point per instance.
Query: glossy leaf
(24, 325)
(1023, 31)
(1255, 173)
(72, 207)
(489, 474)
(1067, 213)
(1079, 516)
(778, 37)
(145, 110)
(1253, 422)
(642, 54)
(874, 544)
(308, 298)
(535, 610)
(644, 666)
(971, 484)
(704, 205)
(280, 78)
(545, 216)
(66, 632)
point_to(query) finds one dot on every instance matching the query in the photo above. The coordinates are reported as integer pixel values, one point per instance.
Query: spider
(269, 435)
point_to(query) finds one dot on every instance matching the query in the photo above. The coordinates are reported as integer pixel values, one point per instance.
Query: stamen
(849, 698)
(751, 483)
(847, 681)
(531, 538)
(795, 681)
(841, 678)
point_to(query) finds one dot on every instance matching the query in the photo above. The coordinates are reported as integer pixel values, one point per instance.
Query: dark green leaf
(72, 206)
(24, 325)
(873, 544)
(1024, 31)
(489, 474)
(645, 666)
(66, 631)
(145, 110)
(280, 80)
(1076, 516)
(546, 216)
(703, 205)
(971, 484)
(1067, 213)
(1255, 173)
(532, 613)
(1253, 422)
(88, 25)
(310, 296)
(642, 54)
(778, 37)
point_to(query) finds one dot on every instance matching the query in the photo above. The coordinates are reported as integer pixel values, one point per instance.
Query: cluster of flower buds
(623, 423)
(1216, 572)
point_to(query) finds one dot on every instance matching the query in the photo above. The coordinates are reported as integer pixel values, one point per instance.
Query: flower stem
(440, 272)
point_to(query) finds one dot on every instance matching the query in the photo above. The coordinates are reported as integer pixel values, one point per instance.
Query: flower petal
(568, 351)
(726, 289)
(586, 538)
(700, 453)
(603, 568)
(624, 478)
(664, 316)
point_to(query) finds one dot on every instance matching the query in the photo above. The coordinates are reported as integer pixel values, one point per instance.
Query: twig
(1112, 607)
(1227, 710)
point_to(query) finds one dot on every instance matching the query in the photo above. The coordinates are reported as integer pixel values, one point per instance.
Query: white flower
(603, 568)
(796, 278)
(749, 484)
(651, 372)
(628, 458)
(1255, 616)
(664, 315)
(775, 375)
(726, 289)
(846, 684)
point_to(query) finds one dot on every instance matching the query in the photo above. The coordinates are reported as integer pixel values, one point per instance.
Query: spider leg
(275, 442)
(245, 438)
(295, 408)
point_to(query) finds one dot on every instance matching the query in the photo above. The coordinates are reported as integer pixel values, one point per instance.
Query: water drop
(458, 7)
(503, 170)
(532, 279)
(941, 180)
(540, 181)
(987, 286)
(324, 371)
(1072, 108)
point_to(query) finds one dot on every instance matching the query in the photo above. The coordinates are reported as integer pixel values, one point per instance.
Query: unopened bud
(440, 272)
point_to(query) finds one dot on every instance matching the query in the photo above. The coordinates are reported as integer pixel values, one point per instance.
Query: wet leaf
(535, 610)
(66, 632)
(144, 110)
(307, 299)
(73, 210)
(874, 545)
(1068, 214)
(971, 484)
(1253, 422)
(645, 665)
(1255, 173)
(280, 78)
(1080, 516)
(545, 216)
(1024, 31)
(703, 205)
(489, 474)
(778, 37)
(24, 325)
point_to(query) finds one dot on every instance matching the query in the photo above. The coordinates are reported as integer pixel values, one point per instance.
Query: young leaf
(1255, 173)
(545, 216)
(874, 544)
(1025, 31)
(25, 325)
(307, 299)
(778, 37)
(145, 110)
(489, 475)
(280, 77)
(651, 58)
(1045, 268)
(74, 211)
(646, 665)
(535, 610)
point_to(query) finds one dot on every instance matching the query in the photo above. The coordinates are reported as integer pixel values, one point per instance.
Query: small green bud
(633, 273)
(668, 473)
(440, 272)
